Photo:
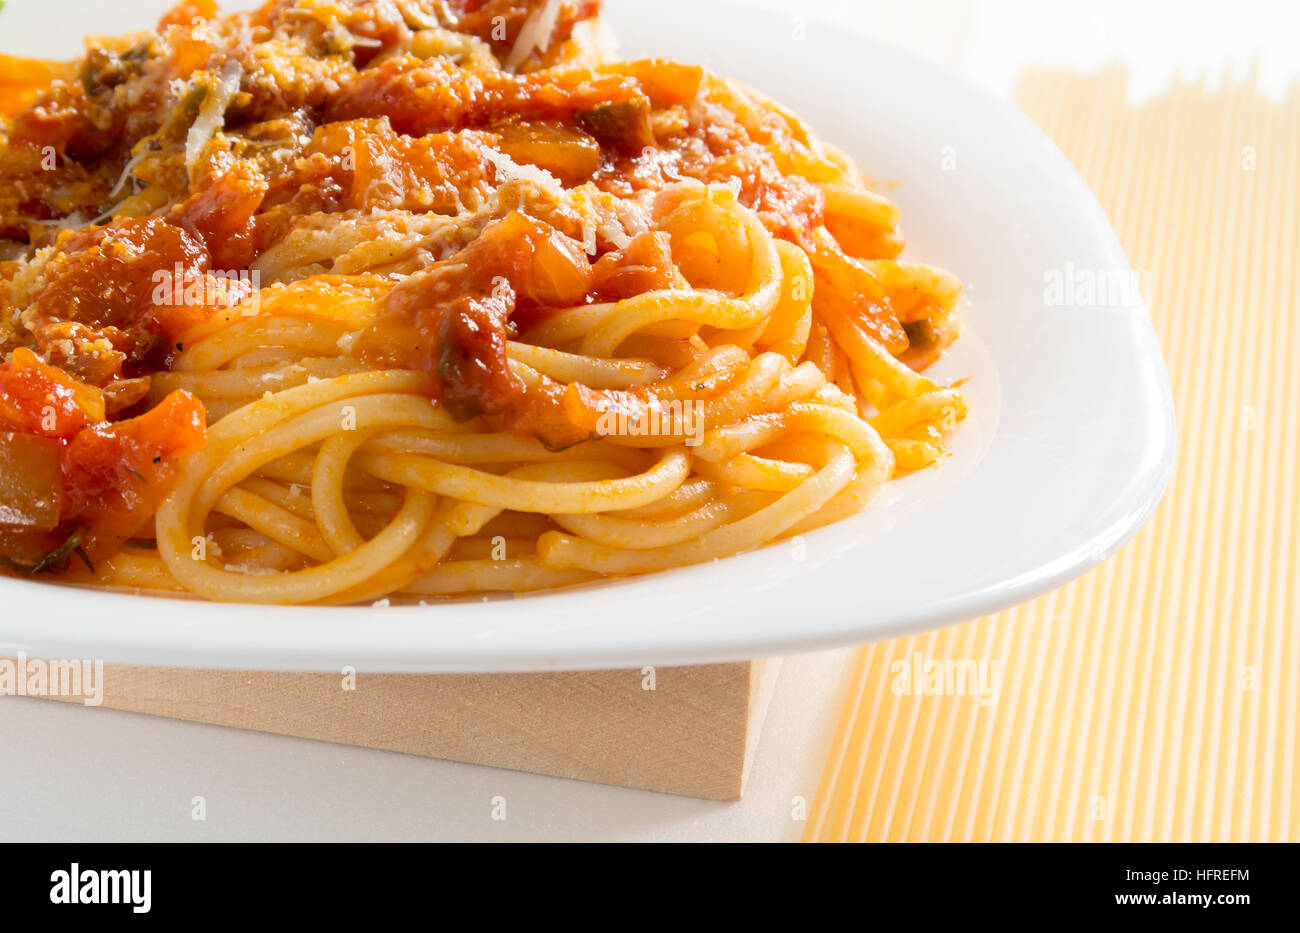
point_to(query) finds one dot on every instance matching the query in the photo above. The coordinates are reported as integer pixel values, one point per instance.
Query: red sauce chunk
(221, 211)
(36, 398)
(116, 475)
(67, 471)
(119, 281)
(455, 319)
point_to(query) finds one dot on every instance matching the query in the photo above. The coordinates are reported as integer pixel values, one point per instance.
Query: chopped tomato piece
(666, 82)
(472, 362)
(36, 398)
(516, 261)
(221, 211)
(644, 265)
(116, 475)
(187, 11)
(58, 119)
(421, 97)
(365, 165)
(115, 276)
(413, 174)
(95, 356)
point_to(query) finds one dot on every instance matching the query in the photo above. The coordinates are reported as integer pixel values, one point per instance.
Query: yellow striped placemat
(1157, 697)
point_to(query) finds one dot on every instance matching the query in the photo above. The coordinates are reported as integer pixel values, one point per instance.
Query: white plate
(1068, 448)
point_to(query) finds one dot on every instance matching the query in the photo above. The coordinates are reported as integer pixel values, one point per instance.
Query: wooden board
(679, 730)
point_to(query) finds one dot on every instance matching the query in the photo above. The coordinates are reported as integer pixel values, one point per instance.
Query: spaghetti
(348, 300)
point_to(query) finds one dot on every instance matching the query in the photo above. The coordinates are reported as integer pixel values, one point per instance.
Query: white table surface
(74, 774)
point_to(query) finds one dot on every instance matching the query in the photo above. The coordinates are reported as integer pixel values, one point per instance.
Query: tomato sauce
(107, 479)
(114, 476)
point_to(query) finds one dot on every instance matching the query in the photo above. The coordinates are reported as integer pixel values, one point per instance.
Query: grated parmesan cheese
(509, 170)
(535, 35)
(212, 115)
